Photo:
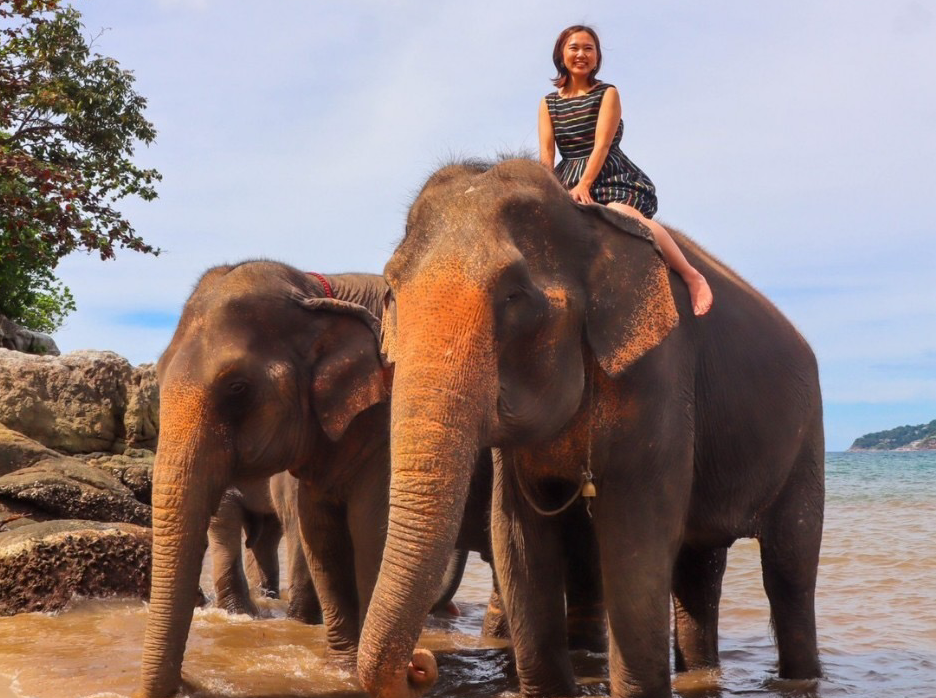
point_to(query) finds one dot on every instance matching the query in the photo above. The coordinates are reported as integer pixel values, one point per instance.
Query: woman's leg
(699, 291)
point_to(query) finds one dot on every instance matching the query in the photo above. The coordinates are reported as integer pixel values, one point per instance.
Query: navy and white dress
(574, 121)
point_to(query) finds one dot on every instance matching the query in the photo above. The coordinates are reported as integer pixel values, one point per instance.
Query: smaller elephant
(266, 511)
(254, 518)
(272, 370)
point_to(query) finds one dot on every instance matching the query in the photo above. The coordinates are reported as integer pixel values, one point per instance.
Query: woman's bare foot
(700, 293)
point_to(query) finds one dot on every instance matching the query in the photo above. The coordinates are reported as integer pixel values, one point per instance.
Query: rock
(68, 488)
(43, 565)
(13, 515)
(81, 402)
(134, 468)
(17, 338)
(141, 418)
(18, 451)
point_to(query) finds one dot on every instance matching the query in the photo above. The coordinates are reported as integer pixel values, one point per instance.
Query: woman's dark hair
(563, 73)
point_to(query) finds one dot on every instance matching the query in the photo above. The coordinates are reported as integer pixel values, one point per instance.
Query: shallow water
(876, 606)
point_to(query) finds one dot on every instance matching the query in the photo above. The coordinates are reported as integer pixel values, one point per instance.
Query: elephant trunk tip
(421, 674)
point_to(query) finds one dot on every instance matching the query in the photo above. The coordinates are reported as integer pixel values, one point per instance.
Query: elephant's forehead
(453, 260)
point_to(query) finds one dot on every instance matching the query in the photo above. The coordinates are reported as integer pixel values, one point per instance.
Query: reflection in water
(877, 622)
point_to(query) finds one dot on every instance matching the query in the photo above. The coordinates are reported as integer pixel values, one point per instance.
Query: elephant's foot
(238, 606)
(495, 623)
(304, 614)
(343, 658)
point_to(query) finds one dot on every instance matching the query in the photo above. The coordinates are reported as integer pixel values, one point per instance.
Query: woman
(583, 116)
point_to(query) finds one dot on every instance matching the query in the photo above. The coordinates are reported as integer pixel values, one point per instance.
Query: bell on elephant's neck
(588, 489)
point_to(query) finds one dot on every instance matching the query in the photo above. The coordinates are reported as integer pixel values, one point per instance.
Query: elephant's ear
(630, 304)
(347, 373)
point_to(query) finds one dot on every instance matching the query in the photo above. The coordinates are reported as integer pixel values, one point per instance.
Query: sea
(876, 608)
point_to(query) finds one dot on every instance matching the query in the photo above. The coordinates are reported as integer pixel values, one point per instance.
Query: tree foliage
(69, 122)
(895, 438)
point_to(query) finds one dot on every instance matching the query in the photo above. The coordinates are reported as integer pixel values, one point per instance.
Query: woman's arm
(609, 116)
(547, 138)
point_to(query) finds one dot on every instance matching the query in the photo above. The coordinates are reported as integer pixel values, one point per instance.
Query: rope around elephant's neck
(551, 512)
(325, 285)
(587, 475)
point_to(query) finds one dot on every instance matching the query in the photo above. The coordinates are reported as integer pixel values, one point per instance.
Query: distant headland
(906, 438)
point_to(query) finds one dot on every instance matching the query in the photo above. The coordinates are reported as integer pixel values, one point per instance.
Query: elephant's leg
(367, 521)
(224, 541)
(263, 558)
(697, 584)
(328, 549)
(584, 606)
(451, 580)
(495, 620)
(790, 540)
(638, 550)
(304, 603)
(528, 555)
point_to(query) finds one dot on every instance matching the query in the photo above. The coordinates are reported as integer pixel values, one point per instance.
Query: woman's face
(580, 55)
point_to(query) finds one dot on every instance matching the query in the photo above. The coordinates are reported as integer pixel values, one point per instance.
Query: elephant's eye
(237, 387)
(513, 295)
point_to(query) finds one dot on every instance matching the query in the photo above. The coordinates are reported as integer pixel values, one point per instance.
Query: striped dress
(574, 120)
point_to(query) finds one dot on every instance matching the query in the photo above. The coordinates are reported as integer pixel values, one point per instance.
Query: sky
(793, 140)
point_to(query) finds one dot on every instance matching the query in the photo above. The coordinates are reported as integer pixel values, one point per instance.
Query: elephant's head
(503, 289)
(261, 368)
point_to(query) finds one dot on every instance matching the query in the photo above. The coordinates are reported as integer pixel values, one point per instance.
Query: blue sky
(794, 140)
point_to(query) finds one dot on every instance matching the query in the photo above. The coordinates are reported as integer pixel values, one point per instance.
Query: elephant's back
(758, 407)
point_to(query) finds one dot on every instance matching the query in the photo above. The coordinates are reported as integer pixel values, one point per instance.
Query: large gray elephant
(551, 331)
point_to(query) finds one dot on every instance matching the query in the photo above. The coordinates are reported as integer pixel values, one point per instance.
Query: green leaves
(70, 121)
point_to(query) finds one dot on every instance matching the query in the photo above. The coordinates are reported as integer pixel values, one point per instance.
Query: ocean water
(876, 608)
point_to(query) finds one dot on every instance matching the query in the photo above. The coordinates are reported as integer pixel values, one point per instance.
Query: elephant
(271, 370)
(266, 511)
(553, 332)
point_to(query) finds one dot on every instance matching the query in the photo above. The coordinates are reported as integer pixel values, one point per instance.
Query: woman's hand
(581, 194)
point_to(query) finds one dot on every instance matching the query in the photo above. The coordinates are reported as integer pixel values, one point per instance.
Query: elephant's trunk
(436, 421)
(187, 487)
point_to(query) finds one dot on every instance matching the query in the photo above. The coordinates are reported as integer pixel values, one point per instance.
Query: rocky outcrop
(77, 440)
(43, 565)
(67, 488)
(12, 336)
(134, 468)
(81, 402)
(18, 451)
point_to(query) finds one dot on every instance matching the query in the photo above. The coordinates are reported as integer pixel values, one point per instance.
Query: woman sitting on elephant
(583, 117)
